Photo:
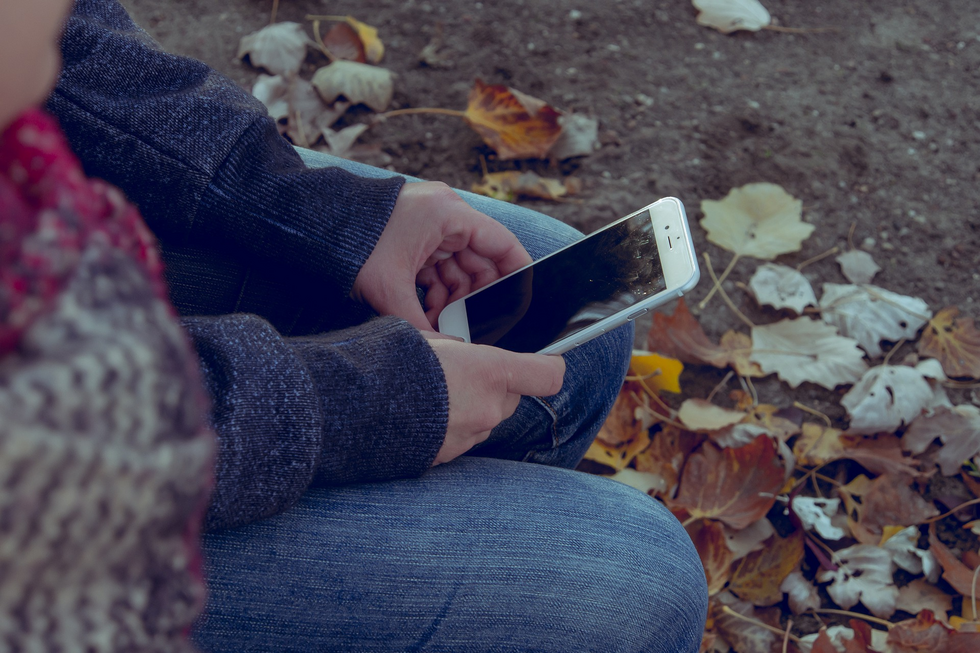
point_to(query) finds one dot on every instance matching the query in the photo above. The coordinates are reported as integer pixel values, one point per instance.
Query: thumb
(406, 306)
(537, 375)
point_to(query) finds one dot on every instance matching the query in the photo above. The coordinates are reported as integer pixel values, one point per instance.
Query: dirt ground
(874, 124)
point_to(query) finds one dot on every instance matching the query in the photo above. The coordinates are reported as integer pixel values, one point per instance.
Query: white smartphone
(613, 275)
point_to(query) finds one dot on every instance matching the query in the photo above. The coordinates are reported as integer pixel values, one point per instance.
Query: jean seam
(555, 442)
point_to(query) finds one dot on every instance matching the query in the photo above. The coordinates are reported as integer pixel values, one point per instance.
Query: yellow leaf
(515, 125)
(617, 457)
(374, 49)
(954, 341)
(760, 220)
(658, 372)
(512, 184)
(888, 531)
(818, 445)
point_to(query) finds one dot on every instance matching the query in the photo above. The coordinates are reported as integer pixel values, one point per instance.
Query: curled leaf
(806, 350)
(957, 427)
(279, 48)
(864, 574)
(757, 578)
(955, 341)
(358, 82)
(579, 137)
(511, 184)
(780, 286)
(858, 266)
(886, 398)
(955, 572)
(760, 220)
(870, 314)
(716, 557)
(374, 49)
(297, 108)
(515, 125)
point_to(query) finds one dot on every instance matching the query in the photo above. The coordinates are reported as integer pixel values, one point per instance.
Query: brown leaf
(921, 595)
(744, 635)
(923, 633)
(716, 557)
(623, 425)
(680, 336)
(955, 341)
(511, 184)
(860, 643)
(343, 42)
(892, 502)
(818, 445)
(734, 485)
(881, 455)
(667, 454)
(758, 576)
(955, 572)
(515, 125)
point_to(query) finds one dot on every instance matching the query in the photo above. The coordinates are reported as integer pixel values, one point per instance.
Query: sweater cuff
(384, 400)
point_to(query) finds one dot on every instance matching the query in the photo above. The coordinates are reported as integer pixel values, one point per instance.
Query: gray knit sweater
(261, 252)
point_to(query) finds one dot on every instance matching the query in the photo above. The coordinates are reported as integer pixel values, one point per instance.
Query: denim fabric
(482, 554)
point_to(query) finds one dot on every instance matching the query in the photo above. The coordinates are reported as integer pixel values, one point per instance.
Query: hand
(436, 240)
(485, 385)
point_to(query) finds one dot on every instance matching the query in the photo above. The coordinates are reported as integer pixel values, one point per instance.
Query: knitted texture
(104, 459)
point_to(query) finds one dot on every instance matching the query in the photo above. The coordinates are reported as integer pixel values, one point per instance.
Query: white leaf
(816, 514)
(887, 397)
(751, 538)
(807, 350)
(702, 415)
(803, 595)
(858, 266)
(340, 142)
(864, 574)
(782, 287)
(579, 136)
(959, 430)
(357, 82)
(906, 554)
(278, 48)
(296, 107)
(870, 314)
(838, 636)
(642, 481)
(760, 220)
(728, 16)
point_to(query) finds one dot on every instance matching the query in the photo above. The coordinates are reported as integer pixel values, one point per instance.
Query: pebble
(574, 14)
(868, 243)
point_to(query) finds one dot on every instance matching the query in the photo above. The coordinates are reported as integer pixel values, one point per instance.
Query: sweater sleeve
(361, 404)
(201, 157)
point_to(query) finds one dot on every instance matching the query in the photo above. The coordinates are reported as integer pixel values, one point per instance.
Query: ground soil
(875, 125)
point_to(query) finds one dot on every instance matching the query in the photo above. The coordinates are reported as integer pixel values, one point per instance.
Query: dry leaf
(658, 372)
(759, 220)
(903, 547)
(757, 578)
(645, 482)
(510, 185)
(781, 287)
(801, 593)
(818, 514)
(579, 137)
(886, 398)
(744, 636)
(343, 43)
(374, 49)
(358, 82)
(955, 341)
(737, 349)
(341, 143)
(955, 572)
(297, 108)
(864, 574)
(870, 314)
(806, 350)
(279, 48)
(882, 454)
(751, 538)
(515, 125)
(617, 457)
(624, 424)
(735, 486)
(432, 54)
(702, 415)
(818, 445)
(926, 633)
(920, 595)
(958, 428)
(716, 557)
(858, 266)
(839, 639)
(728, 16)
(890, 501)
(666, 455)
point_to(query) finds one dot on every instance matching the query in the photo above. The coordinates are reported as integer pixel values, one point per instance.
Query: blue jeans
(482, 554)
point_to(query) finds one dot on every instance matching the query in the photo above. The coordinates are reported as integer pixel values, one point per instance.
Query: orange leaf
(954, 341)
(516, 125)
(759, 575)
(954, 572)
(343, 42)
(716, 557)
(891, 501)
(623, 425)
(667, 454)
(736, 486)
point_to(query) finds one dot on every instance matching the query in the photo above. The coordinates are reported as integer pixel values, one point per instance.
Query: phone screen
(562, 294)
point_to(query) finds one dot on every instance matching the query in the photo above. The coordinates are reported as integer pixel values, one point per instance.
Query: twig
(813, 411)
(724, 295)
(717, 286)
(960, 385)
(275, 10)
(789, 627)
(875, 620)
(891, 351)
(752, 390)
(800, 30)
(718, 387)
(850, 235)
(971, 502)
(973, 591)
(819, 257)
(727, 610)
(319, 41)
(688, 521)
(413, 110)
(667, 419)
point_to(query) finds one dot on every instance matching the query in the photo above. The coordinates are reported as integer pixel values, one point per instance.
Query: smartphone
(598, 283)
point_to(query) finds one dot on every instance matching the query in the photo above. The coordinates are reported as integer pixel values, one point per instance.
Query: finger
(481, 271)
(454, 278)
(510, 404)
(535, 375)
(436, 293)
(495, 242)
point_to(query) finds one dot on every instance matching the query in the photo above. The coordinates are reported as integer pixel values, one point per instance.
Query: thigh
(477, 555)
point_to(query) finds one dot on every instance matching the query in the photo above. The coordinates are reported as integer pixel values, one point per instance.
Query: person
(332, 397)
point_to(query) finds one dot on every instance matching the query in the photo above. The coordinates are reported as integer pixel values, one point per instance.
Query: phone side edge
(453, 320)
